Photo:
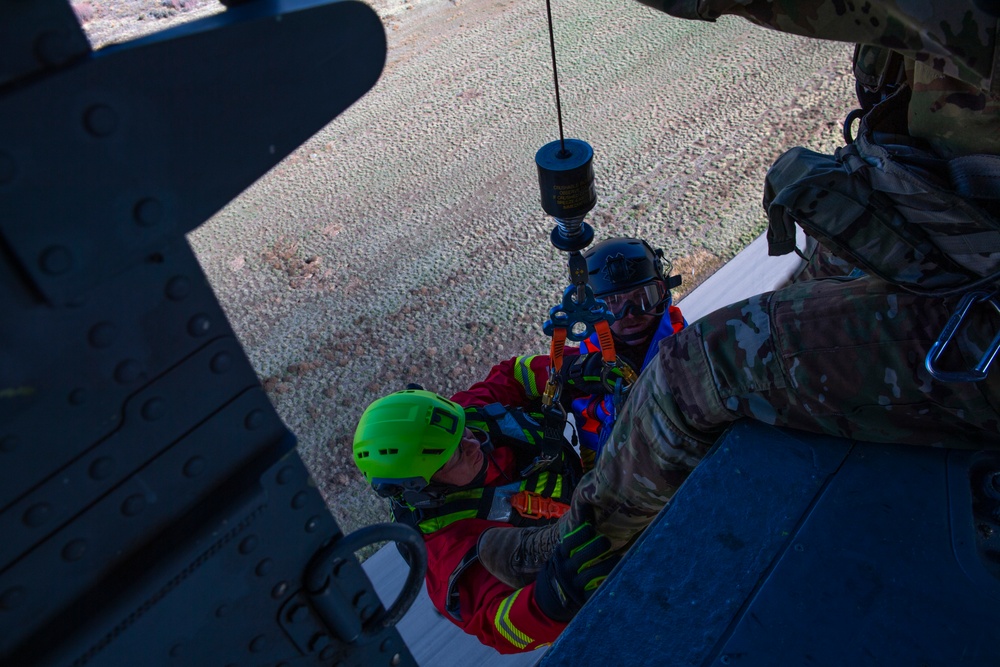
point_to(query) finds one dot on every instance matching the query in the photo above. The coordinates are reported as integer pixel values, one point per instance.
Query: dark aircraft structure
(155, 512)
(154, 509)
(788, 549)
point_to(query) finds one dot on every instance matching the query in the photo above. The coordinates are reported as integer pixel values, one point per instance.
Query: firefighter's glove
(579, 564)
(587, 374)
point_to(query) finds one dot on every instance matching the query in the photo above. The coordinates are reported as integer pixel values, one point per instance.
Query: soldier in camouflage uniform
(842, 356)
(837, 356)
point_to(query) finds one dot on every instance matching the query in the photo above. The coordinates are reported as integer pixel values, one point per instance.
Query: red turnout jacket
(500, 616)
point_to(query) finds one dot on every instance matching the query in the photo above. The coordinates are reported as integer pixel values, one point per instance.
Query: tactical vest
(892, 207)
(523, 433)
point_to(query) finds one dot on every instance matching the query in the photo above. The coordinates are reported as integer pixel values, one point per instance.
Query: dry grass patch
(694, 269)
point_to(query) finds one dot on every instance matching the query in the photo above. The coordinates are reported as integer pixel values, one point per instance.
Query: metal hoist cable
(566, 181)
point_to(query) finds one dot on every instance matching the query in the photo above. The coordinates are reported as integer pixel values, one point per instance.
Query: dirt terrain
(405, 241)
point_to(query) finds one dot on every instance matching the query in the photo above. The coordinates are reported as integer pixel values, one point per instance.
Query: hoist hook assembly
(566, 181)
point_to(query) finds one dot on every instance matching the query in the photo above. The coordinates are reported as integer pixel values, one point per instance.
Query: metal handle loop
(317, 578)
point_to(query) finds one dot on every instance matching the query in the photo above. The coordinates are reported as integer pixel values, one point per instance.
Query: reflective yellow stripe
(437, 523)
(526, 377)
(434, 523)
(463, 495)
(537, 483)
(504, 626)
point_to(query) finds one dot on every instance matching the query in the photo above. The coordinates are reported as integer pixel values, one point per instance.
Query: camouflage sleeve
(954, 38)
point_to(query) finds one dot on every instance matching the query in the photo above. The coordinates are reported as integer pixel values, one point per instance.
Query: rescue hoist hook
(566, 181)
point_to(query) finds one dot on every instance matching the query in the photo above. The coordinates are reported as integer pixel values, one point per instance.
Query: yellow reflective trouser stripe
(503, 624)
(526, 377)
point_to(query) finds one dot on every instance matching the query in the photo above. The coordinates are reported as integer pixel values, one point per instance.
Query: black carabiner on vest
(848, 122)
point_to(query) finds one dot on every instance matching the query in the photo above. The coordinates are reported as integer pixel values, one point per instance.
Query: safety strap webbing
(557, 347)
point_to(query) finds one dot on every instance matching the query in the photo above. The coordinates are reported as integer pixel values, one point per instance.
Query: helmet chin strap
(434, 494)
(487, 446)
(484, 439)
(480, 477)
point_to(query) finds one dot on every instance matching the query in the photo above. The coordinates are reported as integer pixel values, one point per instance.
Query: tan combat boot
(516, 555)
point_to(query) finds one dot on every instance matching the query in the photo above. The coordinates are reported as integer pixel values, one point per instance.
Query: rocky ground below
(405, 241)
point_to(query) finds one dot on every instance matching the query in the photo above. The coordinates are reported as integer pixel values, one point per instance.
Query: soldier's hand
(580, 563)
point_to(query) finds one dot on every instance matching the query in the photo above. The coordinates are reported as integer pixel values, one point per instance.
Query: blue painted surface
(785, 548)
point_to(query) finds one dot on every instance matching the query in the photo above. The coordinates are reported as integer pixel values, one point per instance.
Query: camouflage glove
(580, 563)
(587, 374)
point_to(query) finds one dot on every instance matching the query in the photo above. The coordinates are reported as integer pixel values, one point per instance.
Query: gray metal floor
(436, 642)
(433, 640)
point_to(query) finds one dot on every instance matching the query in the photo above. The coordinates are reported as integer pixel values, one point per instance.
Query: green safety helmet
(404, 438)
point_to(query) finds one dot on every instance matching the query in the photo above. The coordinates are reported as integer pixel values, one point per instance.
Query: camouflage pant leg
(841, 357)
(648, 456)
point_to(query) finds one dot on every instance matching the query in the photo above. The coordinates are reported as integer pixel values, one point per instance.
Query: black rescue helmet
(619, 264)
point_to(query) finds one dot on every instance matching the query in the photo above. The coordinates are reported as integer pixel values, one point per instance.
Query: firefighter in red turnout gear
(456, 469)
(451, 469)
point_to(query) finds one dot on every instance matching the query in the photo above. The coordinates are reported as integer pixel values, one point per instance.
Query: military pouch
(892, 208)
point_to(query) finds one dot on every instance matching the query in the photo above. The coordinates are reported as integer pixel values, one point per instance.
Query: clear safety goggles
(640, 300)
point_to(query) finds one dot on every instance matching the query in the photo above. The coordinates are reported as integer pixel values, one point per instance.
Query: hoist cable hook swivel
(566, 181)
